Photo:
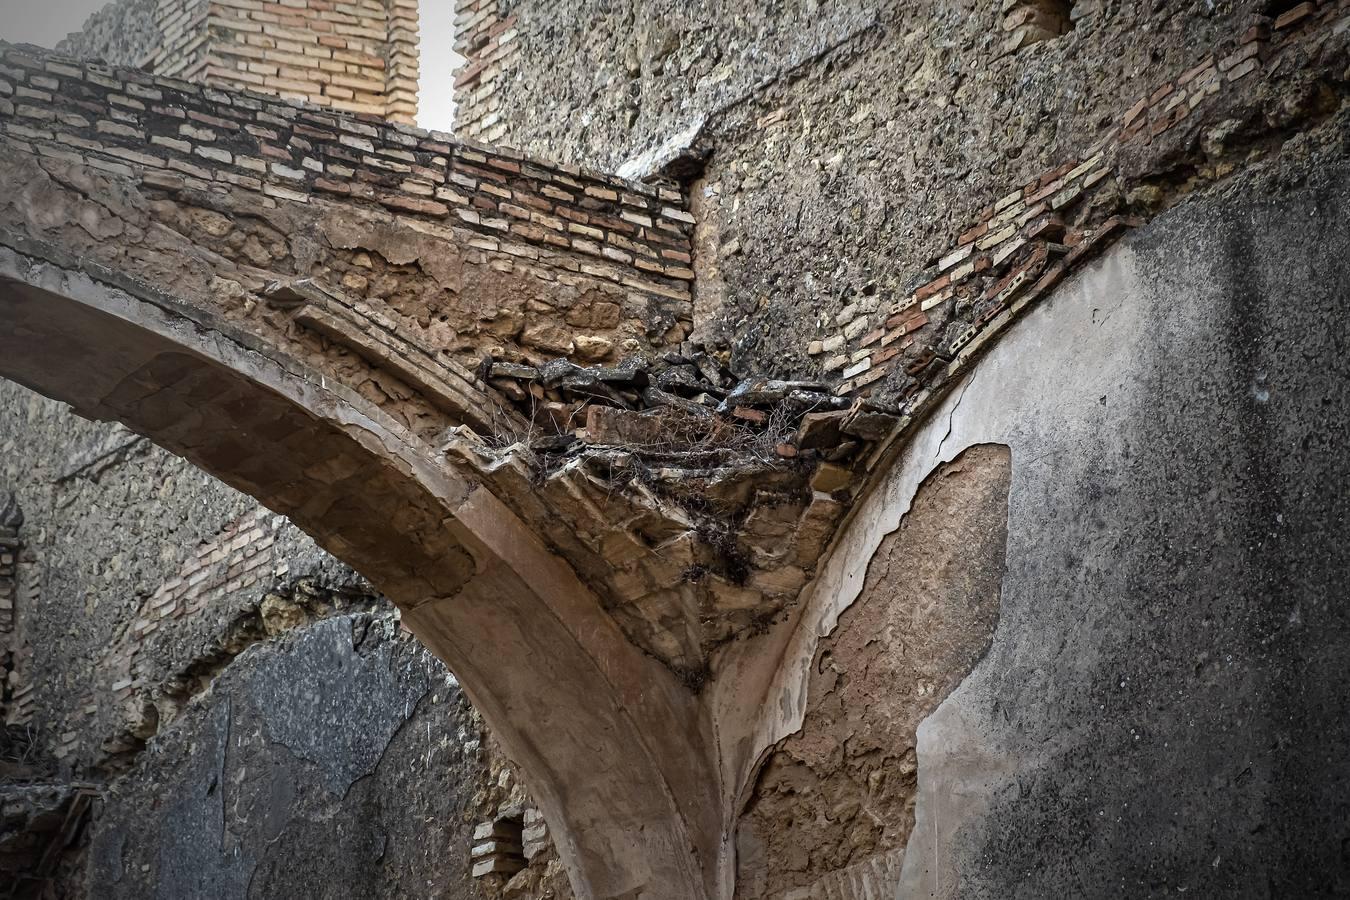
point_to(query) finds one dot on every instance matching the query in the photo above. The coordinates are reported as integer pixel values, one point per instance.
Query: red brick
(907, 322)
(1256, 33)
(503, 25)
(1048, 190)
(1133, 130)
(931, 288)
(882, 356)
(1049, 228)
(972, 234)
(1190, 74)
(1050, 278)
(1055, 174)
(331, 187)
(1247, 51)
(467, 77)
(921, 362)
(1037, 259)
(416, 205)
(474, 171)
(874, 374)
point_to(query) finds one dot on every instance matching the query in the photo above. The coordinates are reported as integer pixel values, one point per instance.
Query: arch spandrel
(319, 345)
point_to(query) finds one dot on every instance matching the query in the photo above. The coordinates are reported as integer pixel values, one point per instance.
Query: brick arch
(299, 442)
(575, 703)
(305, 329)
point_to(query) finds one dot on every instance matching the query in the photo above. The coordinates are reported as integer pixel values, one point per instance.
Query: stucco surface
(1161, 709)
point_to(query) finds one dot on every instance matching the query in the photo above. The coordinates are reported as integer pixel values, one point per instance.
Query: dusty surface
(843, 789)
(1158, 711)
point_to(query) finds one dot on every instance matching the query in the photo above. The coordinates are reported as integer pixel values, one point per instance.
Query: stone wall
(596, 83)
(119, 576)
(11, 519)
(849, 148)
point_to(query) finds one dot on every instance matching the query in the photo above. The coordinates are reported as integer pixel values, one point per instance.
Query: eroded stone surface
(841, 791)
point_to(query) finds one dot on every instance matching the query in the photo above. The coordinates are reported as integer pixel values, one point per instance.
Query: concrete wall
(342, 761)
(1161, 709)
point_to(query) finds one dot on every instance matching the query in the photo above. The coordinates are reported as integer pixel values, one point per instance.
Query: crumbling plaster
(839, 793)
(1173, 466)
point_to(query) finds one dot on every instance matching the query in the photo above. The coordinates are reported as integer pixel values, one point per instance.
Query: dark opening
(1277, 8)
(1052, 17)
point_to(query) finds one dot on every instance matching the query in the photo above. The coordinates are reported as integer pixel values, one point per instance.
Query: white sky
(44, 22)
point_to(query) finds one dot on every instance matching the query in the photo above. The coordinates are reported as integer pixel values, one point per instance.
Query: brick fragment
(931, 288)
(1237, 57)
(973, 233)
(1243, 70)
(1133, 113)
(416, 205)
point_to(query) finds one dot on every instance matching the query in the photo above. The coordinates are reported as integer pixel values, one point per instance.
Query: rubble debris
(677, 403)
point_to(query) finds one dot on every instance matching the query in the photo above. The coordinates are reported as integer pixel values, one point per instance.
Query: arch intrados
(242, 411)
(475, 585)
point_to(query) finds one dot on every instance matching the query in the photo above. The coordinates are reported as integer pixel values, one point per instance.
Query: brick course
(485, 35)
(1021, 246)
(558, 222)
(355, 56)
